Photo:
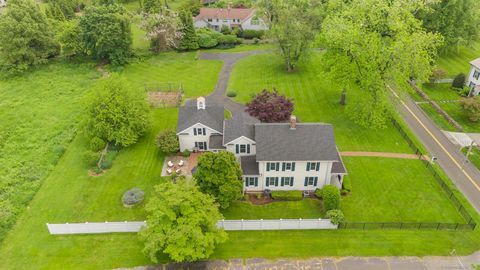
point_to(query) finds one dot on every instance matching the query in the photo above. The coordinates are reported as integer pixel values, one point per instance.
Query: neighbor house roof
(476, 63)
(308, 141)
(249, 165)
(225, 13)
(241, 124)
(212, 116)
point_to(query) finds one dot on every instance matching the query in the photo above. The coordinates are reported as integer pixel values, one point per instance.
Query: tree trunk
(343, 97)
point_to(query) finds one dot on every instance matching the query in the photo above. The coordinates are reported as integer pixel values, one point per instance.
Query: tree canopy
(105, 32)
(370, 53)
(269, 106)
(182, 223)
(189, 40)
(117, 112)
(152, 6)
(294, 24)
(163, 30)
(219, 175)
(471, 107)
(26, 38)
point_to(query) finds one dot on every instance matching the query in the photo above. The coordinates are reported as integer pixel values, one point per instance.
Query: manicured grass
(394, 190)
(440, 91)
(244, 48)
(139, 42)
(198, 77)
(474, 156)
(455, 110)
(306, 208)
(39, 112)
(69, 194)
(316, 100)
(458, 60)
(436, 117)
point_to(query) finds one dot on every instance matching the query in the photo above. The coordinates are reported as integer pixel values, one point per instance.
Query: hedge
(331, 197)
(251, 34)
(347, 184)
(290, 195)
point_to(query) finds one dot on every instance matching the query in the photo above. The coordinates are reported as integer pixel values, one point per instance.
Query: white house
(216, 18)
(3, 3)
(275, 156)
(473, 80)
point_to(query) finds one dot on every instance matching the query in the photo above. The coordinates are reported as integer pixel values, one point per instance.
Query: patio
(189, 163)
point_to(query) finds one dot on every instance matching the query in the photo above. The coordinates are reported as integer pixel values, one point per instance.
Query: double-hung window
(242, 148)
(311, 181)
(288, 166)
(476, 74)
(199, 131)
(313, 166)
(251, 181)
(273, 166)
(271, 181)
(286, 181)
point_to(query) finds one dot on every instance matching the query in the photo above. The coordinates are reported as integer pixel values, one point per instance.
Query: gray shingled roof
(216, 142)
(338, 167)
(212, 116)
(239, 125)
(476, 63)
(309, 141)
(249, 165)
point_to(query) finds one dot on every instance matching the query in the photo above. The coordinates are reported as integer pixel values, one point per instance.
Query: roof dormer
(201, 103)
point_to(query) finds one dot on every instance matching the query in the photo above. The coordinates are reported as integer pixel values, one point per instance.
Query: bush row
(287, 195)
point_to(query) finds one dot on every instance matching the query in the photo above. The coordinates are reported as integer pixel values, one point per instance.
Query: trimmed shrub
(132, 197)
(231, 93)
(287, 195)
(228, 40)
(438, 74)
(336, 216)
(167, 141)
(347, 184)
(226, 30)
(459, 81)
(256, 40)
(251, 34)
(91, 158)
(331, 197)
(186, 153)
(96, 144)
(207, 41)
(318, 193)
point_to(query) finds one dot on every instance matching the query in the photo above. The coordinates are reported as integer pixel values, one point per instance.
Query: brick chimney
(201, 103)
(293, 122)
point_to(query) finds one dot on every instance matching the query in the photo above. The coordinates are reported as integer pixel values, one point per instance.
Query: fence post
(261, 223)
(364, 225)
(299, 221)
(456, 226)
(438, 226)
(401, 225)
(241, 227)
(280, 224)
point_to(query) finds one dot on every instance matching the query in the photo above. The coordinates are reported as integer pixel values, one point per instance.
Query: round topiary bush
(331, 197)
(231, 93)
(336, 216)
(133, 197)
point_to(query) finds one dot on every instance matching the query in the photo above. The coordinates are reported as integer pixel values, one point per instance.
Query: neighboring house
(275, 156)
(216, 18)
(473, 80)
(3, 3)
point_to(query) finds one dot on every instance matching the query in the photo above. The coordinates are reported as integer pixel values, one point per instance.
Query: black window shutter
(195, 131)
(196, 144)
(291, 181)
(268, 166)
(267, 183)
(256, 181)
(306, 181)
(283, 166)
(318, 166)
(276, 181)
(278, 166)
(246, 181)
(237, 148)
(315, 181)
(283, 181)
(293, 166)
(308, 166)
(204, 132)
(248, 148)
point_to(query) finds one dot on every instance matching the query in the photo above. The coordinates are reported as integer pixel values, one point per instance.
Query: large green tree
(189, 39)
(181, 223)
(69, 38)
(26, 38)
(456, 20)
(294, 25)
(105, 32)
(374, 45)
(219, 175)
(152, 6)
(117, 112)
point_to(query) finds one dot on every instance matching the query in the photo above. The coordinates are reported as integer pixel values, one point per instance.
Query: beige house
(216, 18)
(274, 156)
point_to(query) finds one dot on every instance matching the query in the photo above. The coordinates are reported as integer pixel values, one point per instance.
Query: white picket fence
(227, 225)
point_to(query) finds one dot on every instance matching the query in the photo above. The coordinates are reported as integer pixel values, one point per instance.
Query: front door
(201, 146)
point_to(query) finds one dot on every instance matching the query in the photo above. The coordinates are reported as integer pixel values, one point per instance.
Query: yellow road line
(436, 140)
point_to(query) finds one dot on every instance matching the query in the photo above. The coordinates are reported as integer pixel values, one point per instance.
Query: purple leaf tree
(269, 106)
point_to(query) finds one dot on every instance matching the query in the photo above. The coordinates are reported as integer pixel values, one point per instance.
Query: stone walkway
(329, 263)
(380, 154)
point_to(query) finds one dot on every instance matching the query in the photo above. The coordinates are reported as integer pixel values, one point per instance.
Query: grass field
(474, 156)
(307, 208)
(394, 190)
(457, 61)
(316, 100)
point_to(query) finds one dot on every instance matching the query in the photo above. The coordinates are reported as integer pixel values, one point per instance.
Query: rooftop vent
(200, 103)
(293, 122)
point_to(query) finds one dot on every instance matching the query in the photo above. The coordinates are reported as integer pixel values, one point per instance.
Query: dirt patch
(100, 67)
(164, 99)
(254, 199)
(95, 174)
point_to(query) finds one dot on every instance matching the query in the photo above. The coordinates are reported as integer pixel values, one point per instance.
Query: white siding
(247, 24)
(472, 79)
(242, 140)
(187, 138)
(200, 24)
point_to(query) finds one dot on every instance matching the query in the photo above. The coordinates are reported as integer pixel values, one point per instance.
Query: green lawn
(436, 117)
(198, 77)
(307, 208)
(244, 48)
(458, 60)
(474, 156)
(393, 190)
(39, 112)
(440, 91)
(316, 100)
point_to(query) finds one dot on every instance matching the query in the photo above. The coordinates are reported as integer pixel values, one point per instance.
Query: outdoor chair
(169, 171)
(170, 164)
(180, 164)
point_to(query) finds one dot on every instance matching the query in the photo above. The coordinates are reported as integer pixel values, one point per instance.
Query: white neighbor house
(275, 156)
(215, 18)
(3, 3)
(473, 80)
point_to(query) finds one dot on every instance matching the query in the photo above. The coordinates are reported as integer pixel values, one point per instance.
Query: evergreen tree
(54, 12)
(189, 39)
(26, 38)
(152, 6)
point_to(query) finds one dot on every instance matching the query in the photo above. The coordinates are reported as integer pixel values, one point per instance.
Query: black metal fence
(469, 224)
